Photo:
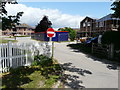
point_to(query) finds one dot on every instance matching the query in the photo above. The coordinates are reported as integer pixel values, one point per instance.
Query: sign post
(50, 34)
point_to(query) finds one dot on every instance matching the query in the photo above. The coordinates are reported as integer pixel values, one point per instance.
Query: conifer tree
(43, 25)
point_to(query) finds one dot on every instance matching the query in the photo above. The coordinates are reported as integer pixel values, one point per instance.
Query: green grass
(36, 76)
(23, 36)
(29, 77)
(6, 41)
(18, 36)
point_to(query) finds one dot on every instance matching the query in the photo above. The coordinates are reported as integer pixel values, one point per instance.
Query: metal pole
(50, 40)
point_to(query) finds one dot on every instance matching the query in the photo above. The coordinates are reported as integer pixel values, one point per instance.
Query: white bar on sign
(50, 32)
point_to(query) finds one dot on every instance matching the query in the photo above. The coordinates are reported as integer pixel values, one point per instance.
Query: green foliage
(41, 75)
(112, 37)
(19, 70)
(72, 33)
(2, 5)
(42, 61)
(43, 25)
(36, 63)
(6, 41)
(9, 22)
(116, 8)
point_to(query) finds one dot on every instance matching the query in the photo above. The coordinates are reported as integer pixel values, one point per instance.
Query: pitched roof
(88, 18)
(107, 17)
(24, 25)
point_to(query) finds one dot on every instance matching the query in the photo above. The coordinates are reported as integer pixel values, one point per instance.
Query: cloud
(66, 0)
(32, 16)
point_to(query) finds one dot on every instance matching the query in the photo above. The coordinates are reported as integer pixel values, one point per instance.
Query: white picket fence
(15, 54)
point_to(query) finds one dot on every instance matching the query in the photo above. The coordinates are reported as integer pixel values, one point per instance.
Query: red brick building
(107, 23)
(22, 29)
(90, 27)
(87, 27)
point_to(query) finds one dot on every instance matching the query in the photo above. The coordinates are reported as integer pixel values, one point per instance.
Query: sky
(61, 14)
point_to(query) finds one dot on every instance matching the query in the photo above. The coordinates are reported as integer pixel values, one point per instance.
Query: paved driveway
(22, 39)
(82, 70)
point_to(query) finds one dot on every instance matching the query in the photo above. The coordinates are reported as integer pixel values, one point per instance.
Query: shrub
(72, 33)
(35, 63)
(19, 70)
(112, 37)
(42, 61)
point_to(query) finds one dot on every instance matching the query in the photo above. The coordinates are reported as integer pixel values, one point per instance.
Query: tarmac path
(82, 70)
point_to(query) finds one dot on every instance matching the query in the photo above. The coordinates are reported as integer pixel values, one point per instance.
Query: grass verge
(42, 74)
(23, 36)
(6, 41)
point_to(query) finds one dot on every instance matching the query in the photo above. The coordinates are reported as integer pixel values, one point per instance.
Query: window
(88, 24)
(101, 24)
(97, 24)
(83, 24)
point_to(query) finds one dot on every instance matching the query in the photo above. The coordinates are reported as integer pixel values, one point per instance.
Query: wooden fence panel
(100, 49)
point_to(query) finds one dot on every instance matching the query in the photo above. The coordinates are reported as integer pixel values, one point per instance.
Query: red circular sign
(50, 32)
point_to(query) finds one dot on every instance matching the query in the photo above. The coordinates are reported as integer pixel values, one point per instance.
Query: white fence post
(10, 52)
(26, 56)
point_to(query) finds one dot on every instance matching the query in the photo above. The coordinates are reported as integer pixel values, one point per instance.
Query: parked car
(92, 40)
(83, 39)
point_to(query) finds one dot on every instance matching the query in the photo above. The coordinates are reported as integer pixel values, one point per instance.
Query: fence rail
(101, 49)
(15, 54)
(108, 51)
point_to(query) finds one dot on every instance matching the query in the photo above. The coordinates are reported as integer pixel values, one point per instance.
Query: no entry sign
(50, 32)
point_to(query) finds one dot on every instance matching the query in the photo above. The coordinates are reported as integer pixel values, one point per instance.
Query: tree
(111, 37)
(72, 33)
(9, 22)
(43, 25)
(116, 8)
(2, 5)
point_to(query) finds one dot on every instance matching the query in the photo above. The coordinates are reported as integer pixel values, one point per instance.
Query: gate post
(92, 47)
(111, 50)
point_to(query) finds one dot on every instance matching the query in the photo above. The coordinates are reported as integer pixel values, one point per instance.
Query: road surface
(82, 70)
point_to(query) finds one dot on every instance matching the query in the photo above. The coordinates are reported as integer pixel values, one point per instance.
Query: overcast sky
(61, 14)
